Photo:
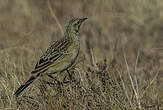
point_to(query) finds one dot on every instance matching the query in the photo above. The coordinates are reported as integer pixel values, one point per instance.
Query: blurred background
(114, 29)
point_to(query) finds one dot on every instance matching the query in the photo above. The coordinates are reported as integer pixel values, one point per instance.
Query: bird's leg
(58, 82)
(52, 77)
(55, 80)
(65, 81)
(69, 74)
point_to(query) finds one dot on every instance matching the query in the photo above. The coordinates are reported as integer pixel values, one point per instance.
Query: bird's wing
(53, 54)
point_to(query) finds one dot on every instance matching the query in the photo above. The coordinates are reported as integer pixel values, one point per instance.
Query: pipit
(59, 56)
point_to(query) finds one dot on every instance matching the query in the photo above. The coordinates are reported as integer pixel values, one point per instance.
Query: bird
(59, 56)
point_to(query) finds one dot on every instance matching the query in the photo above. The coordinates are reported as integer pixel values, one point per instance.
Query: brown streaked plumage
(59, 56)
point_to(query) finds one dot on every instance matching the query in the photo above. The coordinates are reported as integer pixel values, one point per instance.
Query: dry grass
(120, 63)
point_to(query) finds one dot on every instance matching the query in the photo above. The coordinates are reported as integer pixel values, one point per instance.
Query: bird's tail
(22, 87)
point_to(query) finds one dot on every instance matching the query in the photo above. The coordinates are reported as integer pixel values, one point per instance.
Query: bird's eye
(78, 22)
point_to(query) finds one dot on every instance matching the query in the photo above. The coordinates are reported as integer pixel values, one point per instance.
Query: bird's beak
(83, 19)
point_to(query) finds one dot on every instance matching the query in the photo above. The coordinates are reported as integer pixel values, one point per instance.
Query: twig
(124, 88)
(132, 83)
(151, 82)
(54, 17)
(136, 83)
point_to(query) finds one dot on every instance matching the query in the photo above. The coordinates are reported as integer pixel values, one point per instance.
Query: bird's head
(74, 25)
